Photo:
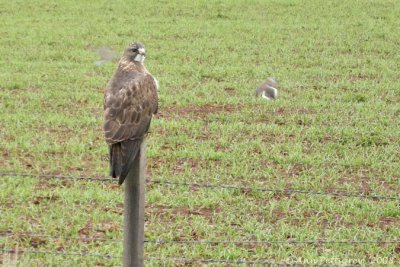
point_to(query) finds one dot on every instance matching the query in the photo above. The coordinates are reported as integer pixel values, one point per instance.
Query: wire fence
(58, 253)
(259, 262)
(254, 263)
(161, 241)
(214, 186)
(208, 242)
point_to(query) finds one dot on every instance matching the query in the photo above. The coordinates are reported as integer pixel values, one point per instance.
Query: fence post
(134, 211)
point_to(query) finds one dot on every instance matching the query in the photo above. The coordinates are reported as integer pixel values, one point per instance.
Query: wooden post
(134, 211)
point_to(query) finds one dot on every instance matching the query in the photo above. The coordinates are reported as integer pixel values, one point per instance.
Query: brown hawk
(130, 100)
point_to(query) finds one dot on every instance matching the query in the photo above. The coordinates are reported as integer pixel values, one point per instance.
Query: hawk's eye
(134, 50)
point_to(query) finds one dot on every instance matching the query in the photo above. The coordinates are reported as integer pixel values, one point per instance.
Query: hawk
(268, 89)
(130, 100)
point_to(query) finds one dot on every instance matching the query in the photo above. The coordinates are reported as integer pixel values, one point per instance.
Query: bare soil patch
(197, 111)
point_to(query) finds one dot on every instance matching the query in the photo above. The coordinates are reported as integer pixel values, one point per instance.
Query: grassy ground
(334, 128)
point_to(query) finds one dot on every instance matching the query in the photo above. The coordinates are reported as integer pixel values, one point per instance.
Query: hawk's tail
(122, 156)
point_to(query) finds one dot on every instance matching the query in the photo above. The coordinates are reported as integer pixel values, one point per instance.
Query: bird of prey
(130, 100)
(268, 90)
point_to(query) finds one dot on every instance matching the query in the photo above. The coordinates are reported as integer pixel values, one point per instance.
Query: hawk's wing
(129, 103)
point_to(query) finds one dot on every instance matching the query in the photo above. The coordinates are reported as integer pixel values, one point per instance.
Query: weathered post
(134, 211)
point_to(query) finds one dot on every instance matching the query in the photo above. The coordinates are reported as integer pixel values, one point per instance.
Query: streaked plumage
(130, 100)
(268, 90)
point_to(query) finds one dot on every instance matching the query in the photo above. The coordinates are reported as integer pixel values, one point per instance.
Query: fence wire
(262, 262)
(161, 241)
(188, 260)
(58, 253)
(176, 259)
(213, 186)
(56, 176)
(279, 191)
(82, 239)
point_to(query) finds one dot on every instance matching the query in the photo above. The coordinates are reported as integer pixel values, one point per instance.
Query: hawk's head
(135, 52)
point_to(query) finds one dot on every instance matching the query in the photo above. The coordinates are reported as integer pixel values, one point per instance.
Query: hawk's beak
(141, 55)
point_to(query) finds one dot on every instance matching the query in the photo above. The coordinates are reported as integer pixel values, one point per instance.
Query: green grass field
(334, 128)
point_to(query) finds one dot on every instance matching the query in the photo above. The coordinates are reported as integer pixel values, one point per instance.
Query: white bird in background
(268, 90)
